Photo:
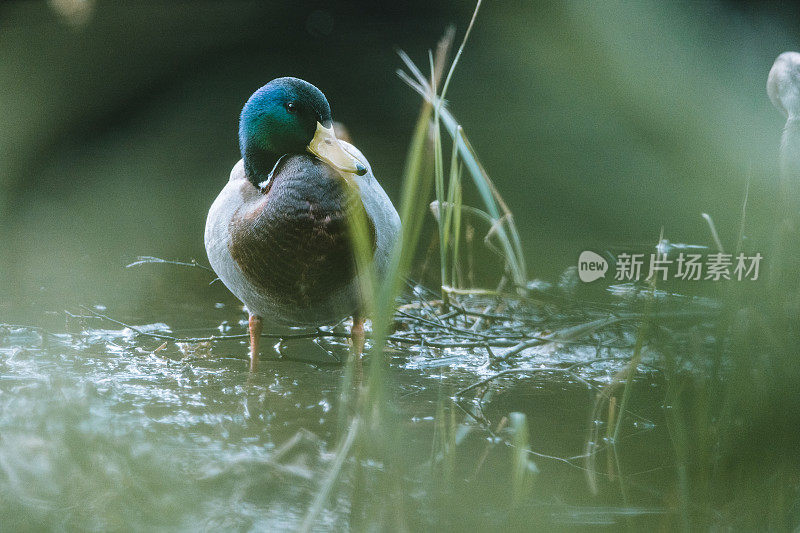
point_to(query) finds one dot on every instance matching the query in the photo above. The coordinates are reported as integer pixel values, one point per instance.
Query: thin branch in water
(213, 338)
(146, 260)
(331, 478)
(568, 370)
(714, 233)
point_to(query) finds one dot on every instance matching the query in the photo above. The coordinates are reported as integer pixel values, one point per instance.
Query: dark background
(600, 122)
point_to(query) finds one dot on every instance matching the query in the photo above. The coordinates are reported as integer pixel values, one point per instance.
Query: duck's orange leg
(357, 335)
(255, 339)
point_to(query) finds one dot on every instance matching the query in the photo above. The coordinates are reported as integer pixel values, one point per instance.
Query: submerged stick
(562, 336)
(714, 233)
(146, 259)
(277, 336)
(331, 478)
(568, 369)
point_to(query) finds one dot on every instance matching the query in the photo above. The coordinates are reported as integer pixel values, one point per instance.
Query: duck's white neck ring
(264, 185)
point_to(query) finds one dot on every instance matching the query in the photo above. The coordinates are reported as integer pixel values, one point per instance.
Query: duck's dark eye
(291, 107)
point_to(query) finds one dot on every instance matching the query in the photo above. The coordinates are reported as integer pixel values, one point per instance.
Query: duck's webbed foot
(255, 339)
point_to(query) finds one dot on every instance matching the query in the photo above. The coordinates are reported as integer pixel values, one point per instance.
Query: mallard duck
(278, 235)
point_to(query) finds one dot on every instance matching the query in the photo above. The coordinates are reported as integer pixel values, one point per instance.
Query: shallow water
(104, 428)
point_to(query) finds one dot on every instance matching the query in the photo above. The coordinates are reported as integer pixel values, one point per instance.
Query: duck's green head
(289, 116)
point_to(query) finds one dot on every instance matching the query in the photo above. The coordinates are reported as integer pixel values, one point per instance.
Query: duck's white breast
(218, 241)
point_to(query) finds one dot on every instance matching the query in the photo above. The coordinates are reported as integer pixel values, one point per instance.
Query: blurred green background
(600, 122)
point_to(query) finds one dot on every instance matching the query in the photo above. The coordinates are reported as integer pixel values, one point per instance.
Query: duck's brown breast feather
(293, 241)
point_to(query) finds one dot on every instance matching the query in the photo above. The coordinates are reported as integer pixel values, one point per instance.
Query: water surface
(105, 428)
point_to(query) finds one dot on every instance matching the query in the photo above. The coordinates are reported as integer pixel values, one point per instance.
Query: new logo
(591, 266)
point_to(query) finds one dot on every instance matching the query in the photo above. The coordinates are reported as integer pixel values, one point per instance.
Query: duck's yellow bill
(327, 147)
